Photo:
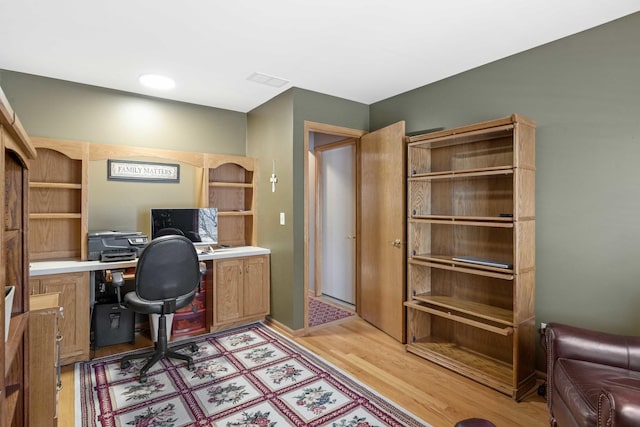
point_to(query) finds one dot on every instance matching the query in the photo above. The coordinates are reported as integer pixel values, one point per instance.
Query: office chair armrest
(117, 280)
(203, 271)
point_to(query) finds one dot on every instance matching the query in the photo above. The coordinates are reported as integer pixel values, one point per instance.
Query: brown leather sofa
(593, 378)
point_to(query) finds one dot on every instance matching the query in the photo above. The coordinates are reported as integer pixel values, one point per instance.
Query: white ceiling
(362, 50)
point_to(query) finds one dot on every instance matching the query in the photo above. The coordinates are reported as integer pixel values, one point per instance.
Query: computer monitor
(200, 225)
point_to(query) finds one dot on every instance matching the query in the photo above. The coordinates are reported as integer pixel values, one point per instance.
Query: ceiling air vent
(268, 80)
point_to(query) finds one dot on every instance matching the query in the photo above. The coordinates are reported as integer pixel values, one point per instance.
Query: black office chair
(167, 277)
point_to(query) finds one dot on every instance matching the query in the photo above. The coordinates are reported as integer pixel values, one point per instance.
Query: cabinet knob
(397, 243)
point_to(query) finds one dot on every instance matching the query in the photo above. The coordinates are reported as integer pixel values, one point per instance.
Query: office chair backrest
(168, 231)
(168, 268)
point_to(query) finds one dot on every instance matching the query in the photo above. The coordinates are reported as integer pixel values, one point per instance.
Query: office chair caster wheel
(125, 364)
(193, 348)
(143, 378)
(191, 366)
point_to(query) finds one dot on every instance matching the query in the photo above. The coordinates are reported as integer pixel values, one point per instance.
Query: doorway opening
(331, 261)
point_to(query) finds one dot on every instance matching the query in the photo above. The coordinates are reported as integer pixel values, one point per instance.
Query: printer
(111, 246)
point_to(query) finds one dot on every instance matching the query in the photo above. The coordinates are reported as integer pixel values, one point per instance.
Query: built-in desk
(41, 268)
(237, 292)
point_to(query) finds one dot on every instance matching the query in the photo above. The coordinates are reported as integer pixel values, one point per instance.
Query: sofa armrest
(570, 342)
(619, 407)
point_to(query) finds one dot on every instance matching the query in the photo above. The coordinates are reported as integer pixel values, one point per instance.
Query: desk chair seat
(167, 276)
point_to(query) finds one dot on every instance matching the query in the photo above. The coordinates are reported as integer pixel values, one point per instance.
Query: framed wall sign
(126, 170)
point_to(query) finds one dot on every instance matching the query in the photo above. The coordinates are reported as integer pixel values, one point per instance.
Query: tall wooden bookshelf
(15, 156)
(471, 244)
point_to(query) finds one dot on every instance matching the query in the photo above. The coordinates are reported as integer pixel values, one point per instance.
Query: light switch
(281, 218)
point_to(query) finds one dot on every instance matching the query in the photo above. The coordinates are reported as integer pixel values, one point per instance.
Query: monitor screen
(199, 225)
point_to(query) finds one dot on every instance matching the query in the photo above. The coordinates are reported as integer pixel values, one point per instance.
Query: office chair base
(160, 351)
(155, 355)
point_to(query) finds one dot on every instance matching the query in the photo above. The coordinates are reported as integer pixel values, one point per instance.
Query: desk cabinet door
(255, 289)
(240, 290)
(74, 300)
(228, 290)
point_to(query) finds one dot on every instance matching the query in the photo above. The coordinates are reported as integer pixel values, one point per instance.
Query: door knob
(397, 243)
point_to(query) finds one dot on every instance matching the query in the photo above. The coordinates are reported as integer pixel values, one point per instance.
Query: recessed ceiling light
(157, 81)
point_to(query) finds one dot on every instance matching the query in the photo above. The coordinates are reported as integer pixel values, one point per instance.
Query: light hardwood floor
(437, 395)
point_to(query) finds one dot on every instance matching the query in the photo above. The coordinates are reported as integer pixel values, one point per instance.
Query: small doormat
(321, 312)
(250, 376)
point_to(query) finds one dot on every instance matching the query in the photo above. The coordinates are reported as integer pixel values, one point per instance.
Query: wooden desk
(75, 281)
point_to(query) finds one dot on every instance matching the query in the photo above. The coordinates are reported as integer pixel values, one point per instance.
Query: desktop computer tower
(112, 324)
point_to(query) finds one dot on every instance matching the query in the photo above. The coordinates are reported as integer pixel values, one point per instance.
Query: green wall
(276, 131)
(269, 138)
(64, 110)
(584, 93)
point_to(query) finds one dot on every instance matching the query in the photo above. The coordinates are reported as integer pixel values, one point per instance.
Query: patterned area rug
(250, 376)
(321, 312)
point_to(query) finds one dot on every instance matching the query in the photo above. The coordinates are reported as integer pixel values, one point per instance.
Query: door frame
(311, 178)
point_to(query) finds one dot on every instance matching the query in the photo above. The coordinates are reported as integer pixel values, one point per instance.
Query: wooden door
(382, 208)
(74, 325)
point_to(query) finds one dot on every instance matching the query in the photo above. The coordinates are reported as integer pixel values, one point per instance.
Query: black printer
(111, 246)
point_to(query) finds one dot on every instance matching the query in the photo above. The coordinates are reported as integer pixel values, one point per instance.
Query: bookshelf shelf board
(53, 185)
(230, 185)
(478, 221)
(465, 173)
(461, 318)
(489, 312)
(235, 213)
(69, 215)
(447, 262)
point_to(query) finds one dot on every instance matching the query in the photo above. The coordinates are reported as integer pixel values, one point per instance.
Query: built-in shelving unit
(230, 189)
(59, 193)
(58, 208)
(471, 243)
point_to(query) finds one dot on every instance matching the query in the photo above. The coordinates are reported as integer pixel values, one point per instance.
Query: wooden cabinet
(240, 290)
(16, 152)
(471, 244)
(58, 200)
(43, 361)
(74, 292)
(230, 189)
